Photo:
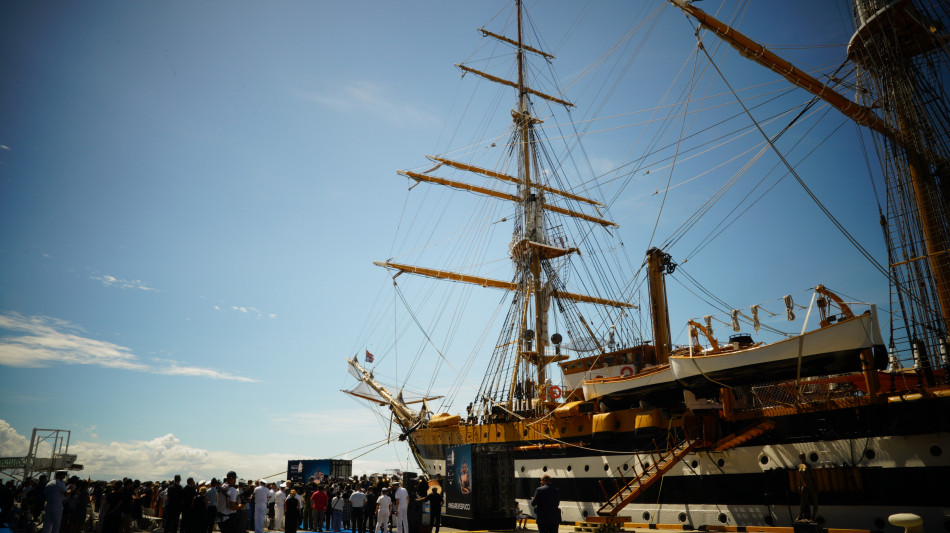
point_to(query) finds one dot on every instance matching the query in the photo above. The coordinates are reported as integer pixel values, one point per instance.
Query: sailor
(280, 498)
(384, 506)
(260, 505)
(402, 508)
(54, 492)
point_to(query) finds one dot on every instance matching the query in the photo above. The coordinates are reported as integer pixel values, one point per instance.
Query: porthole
(522, 469)
(879, 523)
(569, 468)
(646, 465)
(764, 459)
(769, 521)
(616, 424)
(606, 467)
(721, 462)
(870, 454)
(695, 463)
(813, 457)
(580, 428)
(485, 435)
(936, 451)
(498, 433)
(563, 429)
(646, 516)
(626, 466)
(584, 513)
(723, 518)
(525, 433)
(547, 431)
(586, 468)
(544, 468)
(682, 517)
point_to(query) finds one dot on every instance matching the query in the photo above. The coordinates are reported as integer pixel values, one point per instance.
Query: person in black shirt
(172, 512)
(435, 500)
(291, 513)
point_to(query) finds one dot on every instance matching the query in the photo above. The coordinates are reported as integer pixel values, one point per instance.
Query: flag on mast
(369, 357)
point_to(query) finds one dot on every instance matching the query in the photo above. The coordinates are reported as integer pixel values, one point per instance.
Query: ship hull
(869, 462)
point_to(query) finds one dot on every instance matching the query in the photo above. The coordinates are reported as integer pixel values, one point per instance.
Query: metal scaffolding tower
(48, 452)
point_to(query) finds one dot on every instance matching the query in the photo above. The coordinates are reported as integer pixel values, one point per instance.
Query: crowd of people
(360, 504)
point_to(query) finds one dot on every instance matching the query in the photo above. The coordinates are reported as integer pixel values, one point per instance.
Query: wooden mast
(533, 221)
(878, 29)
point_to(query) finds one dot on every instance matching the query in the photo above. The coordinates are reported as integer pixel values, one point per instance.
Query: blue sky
(192, 195)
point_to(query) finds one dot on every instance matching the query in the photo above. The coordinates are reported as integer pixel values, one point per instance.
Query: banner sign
(301, 470)
(460, 478)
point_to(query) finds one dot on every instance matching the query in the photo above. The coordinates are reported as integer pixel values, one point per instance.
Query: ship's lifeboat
(832, 349)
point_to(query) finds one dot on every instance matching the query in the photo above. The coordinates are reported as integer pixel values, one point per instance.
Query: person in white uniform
(384, 506)
(280, 497)
(55, 491)
(260, 506)
(402, 508)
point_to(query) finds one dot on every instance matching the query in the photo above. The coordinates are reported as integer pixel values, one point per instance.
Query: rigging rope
(863, 251)
(426, 334)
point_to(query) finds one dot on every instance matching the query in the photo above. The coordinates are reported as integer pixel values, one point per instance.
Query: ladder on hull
(741, 437)
(649, 474)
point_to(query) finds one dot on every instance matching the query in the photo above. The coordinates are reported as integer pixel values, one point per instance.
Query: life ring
(626, 371)
(555, 392)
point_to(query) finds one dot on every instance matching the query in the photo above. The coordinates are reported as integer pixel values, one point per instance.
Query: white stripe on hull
(888, 452)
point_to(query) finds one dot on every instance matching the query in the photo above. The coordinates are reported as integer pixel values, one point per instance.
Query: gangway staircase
(741, 437)
(661, 463)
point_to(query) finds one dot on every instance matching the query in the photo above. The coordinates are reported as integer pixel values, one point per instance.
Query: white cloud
(164, 456)
(5, 148)
(112, 281)
(40, 342)
(12, 444)
(249, 310)
(173, 368)
(372, 98)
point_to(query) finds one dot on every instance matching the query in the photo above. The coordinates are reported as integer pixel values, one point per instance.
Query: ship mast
(517, 382)
(895, 47)
(533, 214)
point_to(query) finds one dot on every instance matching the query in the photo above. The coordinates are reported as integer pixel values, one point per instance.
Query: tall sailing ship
(584, 382)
